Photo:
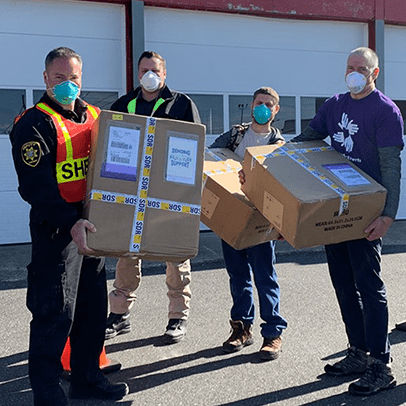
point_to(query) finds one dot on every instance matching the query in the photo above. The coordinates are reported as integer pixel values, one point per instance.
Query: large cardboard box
(225, 209)
(311, 193)
(144, 186)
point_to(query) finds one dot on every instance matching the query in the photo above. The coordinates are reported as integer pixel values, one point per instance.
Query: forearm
(308, 134)
(390, 166)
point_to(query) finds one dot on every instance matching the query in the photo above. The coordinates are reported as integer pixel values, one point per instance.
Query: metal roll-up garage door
(29, 30)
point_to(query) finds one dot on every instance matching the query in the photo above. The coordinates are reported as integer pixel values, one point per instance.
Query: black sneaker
(377, 377)
(175, 331)
(102, 389)
(355, 362)
(117, 324)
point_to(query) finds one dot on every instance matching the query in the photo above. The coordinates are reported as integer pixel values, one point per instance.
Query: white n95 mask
(150, 81)
(355, 82)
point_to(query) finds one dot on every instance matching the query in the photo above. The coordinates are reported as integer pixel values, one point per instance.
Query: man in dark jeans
(367, 128)
(259, 259)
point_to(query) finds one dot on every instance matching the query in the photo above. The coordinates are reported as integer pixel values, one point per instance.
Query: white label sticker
(182, 160)
(347, 174)
(122, 152)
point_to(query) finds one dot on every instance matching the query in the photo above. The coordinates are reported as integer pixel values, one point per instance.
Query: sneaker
(241, 336)
(117, 324)
(377, 377)
(175, 331)
(102, 389)
(271, 348)
(355, 362)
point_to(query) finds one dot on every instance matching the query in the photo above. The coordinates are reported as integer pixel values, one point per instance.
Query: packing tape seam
(284, 151)
(229, 168)
(152, 203)
(143, 185)
(221, 159)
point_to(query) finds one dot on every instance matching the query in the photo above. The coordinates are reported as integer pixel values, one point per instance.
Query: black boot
(102, 389)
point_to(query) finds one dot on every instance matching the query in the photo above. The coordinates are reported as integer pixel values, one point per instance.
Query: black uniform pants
(67, 296)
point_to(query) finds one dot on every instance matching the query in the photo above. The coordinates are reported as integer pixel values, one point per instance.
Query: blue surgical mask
(262, 114)
(66, 92)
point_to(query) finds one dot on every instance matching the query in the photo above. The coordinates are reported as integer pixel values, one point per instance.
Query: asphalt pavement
(196, 371)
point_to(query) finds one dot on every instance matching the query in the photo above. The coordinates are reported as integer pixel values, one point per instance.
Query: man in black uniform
(152, 98)
(66, 290)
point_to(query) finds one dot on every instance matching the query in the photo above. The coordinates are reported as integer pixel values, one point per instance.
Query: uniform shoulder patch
(31, 153)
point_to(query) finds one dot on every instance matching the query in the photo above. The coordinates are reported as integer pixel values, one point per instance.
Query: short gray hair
(368, 54)
(61, 52)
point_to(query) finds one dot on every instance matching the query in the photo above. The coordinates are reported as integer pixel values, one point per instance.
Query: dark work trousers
(259, 259)
(67, 296)
(355, 271)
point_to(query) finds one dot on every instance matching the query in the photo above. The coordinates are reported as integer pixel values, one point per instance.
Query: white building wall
(29, 30)
(226, 53)
(395, 87)
(207, 53)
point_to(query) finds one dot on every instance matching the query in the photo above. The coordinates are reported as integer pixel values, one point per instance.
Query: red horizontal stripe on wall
(358, 10)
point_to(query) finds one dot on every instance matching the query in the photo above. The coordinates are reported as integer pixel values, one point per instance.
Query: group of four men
(67, 285)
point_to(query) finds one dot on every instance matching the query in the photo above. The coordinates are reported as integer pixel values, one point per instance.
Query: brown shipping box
(225, 209)
(144, 186)
(311, 193)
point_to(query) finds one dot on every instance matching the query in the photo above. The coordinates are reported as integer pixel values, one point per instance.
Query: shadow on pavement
(14, 383)
(394, 397)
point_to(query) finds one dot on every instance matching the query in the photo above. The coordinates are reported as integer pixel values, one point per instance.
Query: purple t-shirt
(357, 128)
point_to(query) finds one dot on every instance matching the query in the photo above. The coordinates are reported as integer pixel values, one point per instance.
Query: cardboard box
(144, 186)
(225, 209)
(311, 193)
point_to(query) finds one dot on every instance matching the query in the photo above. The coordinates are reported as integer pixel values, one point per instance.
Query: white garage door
(29, 30)
(219, 59)
(395, 88)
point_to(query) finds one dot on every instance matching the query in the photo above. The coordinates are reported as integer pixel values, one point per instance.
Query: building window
(402, 107)
(239, 108)
(285, 120)
(210, 108)
(309, 106)
(12, 102)
(103, 100)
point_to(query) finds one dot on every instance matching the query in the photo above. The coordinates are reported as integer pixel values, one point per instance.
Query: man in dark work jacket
(152, 98)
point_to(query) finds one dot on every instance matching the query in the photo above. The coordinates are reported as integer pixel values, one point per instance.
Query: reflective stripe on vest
(132, 105)
(70, 169)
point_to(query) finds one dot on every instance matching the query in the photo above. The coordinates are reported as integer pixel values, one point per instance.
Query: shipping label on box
(225, 209)
(144, 186)
(311, 193)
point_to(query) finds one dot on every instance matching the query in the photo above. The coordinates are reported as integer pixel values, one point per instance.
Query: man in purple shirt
(367, 128)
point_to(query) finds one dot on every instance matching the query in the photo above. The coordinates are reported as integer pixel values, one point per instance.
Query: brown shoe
(401, 326)
(271, 348)
(241, 336)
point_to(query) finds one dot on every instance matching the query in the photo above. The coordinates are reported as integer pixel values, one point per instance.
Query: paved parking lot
(196, 371)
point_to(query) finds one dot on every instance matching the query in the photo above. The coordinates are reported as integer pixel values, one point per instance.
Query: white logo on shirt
(345, 137)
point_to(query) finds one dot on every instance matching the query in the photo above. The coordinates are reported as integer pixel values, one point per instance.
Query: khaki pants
(128, 279)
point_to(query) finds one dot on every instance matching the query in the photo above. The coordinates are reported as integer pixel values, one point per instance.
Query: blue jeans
(260, 259)
(355, 268)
